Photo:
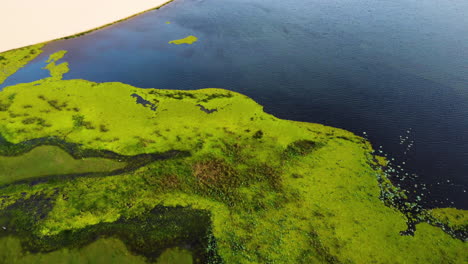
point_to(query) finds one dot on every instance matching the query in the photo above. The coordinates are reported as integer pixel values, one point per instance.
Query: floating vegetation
(186, 40)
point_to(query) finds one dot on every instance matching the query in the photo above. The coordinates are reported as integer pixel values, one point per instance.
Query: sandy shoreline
(25, 22)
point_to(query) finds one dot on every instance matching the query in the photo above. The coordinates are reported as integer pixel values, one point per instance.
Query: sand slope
(26, 22)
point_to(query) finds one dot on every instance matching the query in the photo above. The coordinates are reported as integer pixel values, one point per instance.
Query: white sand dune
(27, 22)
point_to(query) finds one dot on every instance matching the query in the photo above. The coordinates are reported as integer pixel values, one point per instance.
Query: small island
(187, 40)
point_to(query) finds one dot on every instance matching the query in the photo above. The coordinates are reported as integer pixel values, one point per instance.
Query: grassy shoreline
(118, 21)
(276, 190)
(11, 61)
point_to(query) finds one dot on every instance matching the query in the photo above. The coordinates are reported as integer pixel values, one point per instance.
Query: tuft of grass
(78, 121)
(215, 173)
(300, 148)
(103, 128)
(258, 134)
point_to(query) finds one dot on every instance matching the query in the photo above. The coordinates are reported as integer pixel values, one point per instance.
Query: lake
(393, 71)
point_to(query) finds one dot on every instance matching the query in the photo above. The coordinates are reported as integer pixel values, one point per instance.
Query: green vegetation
(56, 56)
(175, 255)
(452, 217)
(11, 61)
(270, 190)
(109, 250)
(186, 40)
(56, 71)
(102, 251)
(50, 160)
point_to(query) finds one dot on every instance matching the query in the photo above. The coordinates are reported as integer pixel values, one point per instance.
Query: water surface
(396, 70)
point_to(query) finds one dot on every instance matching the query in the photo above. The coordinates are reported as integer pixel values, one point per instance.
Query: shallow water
(387, 68)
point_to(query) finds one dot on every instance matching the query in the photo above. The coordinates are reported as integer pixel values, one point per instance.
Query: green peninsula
(220, 178)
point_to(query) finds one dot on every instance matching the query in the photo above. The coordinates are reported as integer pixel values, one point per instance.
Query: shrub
(103, 128)
(258, 134)
(301, 148)
(78, 121)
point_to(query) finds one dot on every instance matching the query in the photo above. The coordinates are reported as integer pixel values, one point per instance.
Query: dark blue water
(388, 68)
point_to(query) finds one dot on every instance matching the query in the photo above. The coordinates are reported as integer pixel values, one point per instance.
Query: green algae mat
(212, 179)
